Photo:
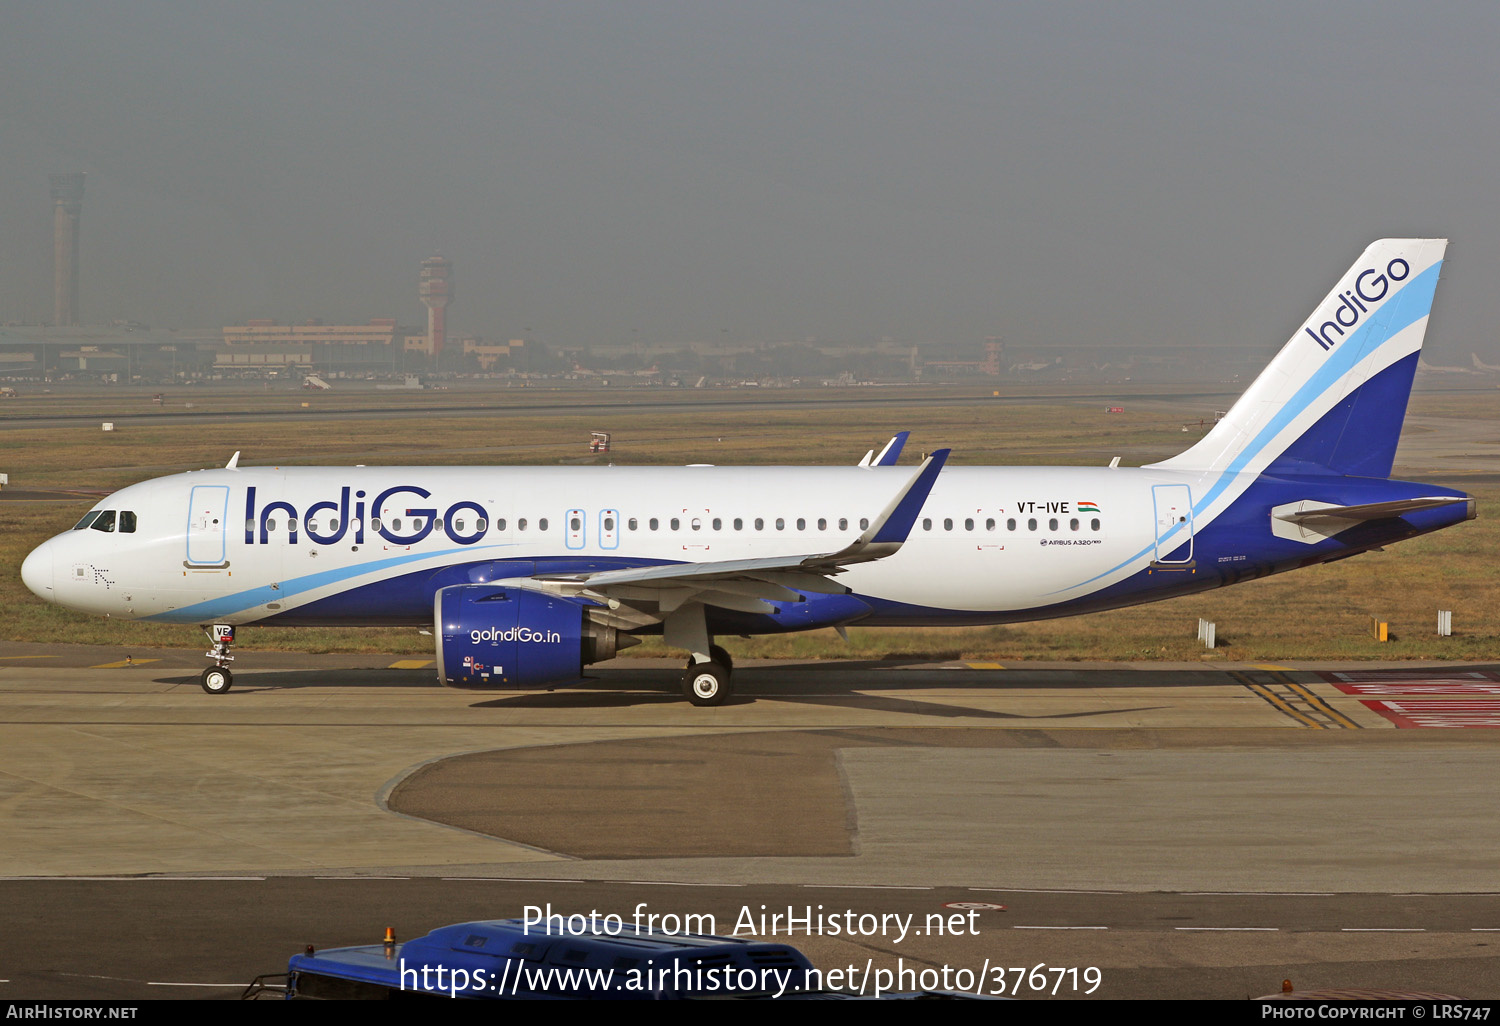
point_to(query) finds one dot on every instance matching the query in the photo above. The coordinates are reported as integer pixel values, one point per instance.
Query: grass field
(1316, 613)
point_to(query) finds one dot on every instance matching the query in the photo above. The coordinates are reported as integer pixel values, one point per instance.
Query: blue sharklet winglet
(892, 451)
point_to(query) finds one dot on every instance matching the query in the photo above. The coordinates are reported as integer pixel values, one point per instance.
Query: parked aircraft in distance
(528, 574)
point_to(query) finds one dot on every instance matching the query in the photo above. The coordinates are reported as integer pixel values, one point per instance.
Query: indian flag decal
(1088, 507)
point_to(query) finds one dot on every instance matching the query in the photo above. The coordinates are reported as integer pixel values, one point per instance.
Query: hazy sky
(756, 170)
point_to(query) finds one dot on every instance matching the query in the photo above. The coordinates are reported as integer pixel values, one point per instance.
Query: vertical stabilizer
(1333, 399)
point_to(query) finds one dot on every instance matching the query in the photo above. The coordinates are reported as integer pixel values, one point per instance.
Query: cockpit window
(127, 521)
(88, 518)
(105, 521)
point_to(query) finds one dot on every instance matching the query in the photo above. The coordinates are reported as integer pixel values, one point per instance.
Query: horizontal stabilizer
(1368, 511)
(1311, 521)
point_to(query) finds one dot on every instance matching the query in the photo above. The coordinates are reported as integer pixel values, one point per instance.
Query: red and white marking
(1468, 698)
(1439, 712)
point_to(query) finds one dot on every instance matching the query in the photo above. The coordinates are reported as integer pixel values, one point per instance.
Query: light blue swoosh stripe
(1405, 308)
(243, 600)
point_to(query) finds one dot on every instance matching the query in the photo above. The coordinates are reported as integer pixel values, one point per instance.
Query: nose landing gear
(217, 679)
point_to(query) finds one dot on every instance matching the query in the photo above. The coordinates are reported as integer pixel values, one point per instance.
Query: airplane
(526, 575)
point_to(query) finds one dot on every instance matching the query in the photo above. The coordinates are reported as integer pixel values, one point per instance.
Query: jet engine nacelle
(491, 636)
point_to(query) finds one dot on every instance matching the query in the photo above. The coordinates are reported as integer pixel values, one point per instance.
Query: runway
(1192, 830)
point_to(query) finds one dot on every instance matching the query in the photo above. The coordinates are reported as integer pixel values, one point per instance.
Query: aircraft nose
(36, 572)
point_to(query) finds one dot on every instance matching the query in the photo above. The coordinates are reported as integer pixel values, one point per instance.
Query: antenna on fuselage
(234, 461)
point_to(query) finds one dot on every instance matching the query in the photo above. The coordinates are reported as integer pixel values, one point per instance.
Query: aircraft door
(576, 523)
(609, 529)
(207, 507)
(1174, 523)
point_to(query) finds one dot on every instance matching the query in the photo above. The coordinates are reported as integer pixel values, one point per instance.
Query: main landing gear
(217, 678)
(708, 679)
(711, 682)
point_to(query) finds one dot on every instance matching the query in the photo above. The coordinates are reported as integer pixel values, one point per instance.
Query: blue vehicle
(505, 959)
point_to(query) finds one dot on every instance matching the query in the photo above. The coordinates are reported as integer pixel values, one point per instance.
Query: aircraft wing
(750, 585)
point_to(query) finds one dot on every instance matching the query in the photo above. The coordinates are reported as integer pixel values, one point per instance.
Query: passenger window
(801, 524)
(1010, 525)
(575, 524)
(653, 523)
(270, 527)
(541, 525)
(500, 524)
(822, 524)
(926, 523)
(291, 525)
(521, 524)
(989, 525)
(969, 524)
(1052, 524)
(632, 524)
(458, 524)
(739, 524)
(93, 514)
(374, 524)
(697, 523)
(947, 523)
(843, 523)
(780, 524)
(1031, 524)
(416, 523)
(1073, 524)
(864, 523)
(1094, 524)
(676, 524)
(105, 522)
(396, 524)
(479, 525)
(718, 524)
(760, 524)
(609, 523)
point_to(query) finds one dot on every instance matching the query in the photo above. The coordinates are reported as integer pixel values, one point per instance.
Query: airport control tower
(436, 289)
(67, 205)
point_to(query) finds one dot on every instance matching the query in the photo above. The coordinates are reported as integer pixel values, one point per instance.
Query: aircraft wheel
(707, 684)
(216, 681)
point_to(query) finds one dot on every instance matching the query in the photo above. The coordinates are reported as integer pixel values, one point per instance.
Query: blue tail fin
(1333, 399)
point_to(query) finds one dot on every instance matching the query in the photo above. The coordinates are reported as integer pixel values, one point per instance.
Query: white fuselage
(243, 545)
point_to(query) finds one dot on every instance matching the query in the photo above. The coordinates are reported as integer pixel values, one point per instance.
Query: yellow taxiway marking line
(30, 657)
(1281, 705)
(411, 664)
(984, 666)
(123, 662)
(1323, 707)
(1269, 666)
